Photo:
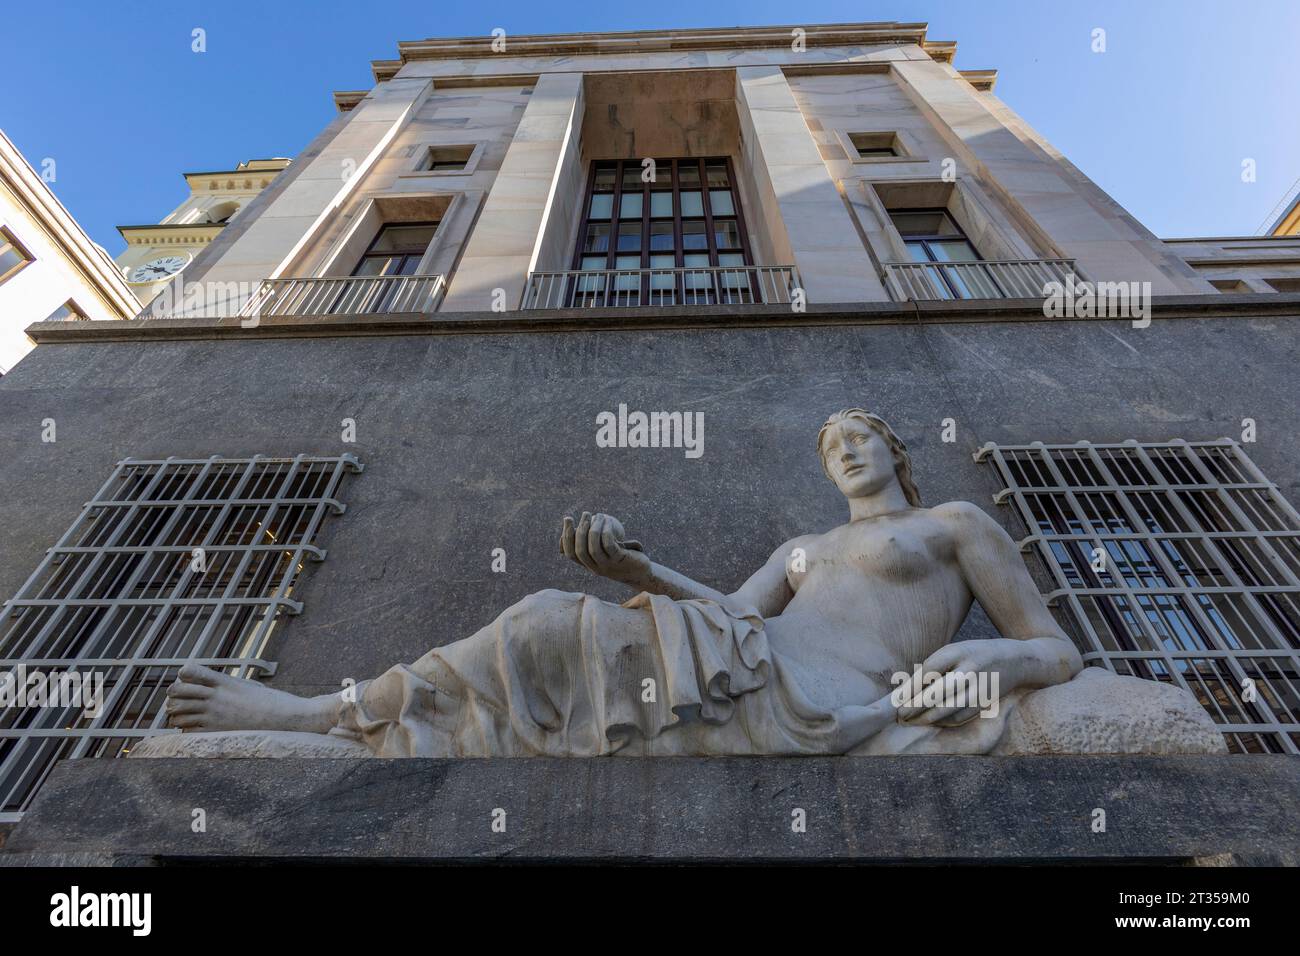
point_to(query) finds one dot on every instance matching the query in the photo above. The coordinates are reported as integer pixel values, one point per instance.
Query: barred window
(172, 562)
(1176, 562)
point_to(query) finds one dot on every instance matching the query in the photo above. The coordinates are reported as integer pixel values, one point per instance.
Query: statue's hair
(902, 460)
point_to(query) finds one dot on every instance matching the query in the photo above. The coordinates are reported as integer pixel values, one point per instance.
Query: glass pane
(371, 266)
(591, 263)
(632, 177)
(629, 236)
(627, 282)
(597, 238)
(663, 174)
(661, 205)
(601, 206)
(731, 259)
(407, 266)
(925, 222)
(726, 234)
(661, 235)
(717, 173)
(917, 251)
(953, 250)
(688, 174)
(629, 206)
(721, 203)
(692, 204)
(696, 261)
(404, 238)
(604, 181)
(665, 279)
(693, 235)
(9, 257)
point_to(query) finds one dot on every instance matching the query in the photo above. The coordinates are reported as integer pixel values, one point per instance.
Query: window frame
(682, 293)
(7, 238)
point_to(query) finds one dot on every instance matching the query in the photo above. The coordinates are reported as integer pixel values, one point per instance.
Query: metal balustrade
(711, 285)
(346, 295)
(980, 279)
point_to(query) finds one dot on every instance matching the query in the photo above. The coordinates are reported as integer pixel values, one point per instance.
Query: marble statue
(816, 654)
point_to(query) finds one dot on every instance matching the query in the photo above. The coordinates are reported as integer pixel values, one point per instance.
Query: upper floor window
(12, 255)
(677, 237)
(875, 145)
(397, 249)
(446, 159)
(931, 236)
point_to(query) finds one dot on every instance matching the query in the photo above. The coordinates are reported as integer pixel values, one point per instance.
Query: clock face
(160, 268)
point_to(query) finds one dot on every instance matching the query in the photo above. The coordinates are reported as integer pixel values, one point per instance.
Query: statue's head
(862, 455)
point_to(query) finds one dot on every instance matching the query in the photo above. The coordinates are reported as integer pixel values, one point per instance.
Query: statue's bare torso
(873, 598)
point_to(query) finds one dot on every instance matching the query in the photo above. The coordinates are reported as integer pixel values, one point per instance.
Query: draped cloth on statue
(564, 674)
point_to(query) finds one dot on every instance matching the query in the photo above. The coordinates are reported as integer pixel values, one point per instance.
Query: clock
(156, 269)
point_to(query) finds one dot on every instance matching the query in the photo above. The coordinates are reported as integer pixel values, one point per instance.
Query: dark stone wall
(1213, 810)
(474, 441)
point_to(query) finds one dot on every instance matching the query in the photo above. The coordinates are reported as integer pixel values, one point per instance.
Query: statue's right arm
(596, 542)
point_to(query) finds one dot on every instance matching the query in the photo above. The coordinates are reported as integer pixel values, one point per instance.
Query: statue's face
(858, 459)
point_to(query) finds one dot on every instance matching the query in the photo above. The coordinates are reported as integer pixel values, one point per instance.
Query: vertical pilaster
(799, 206)
(535, 196)
(1086, 224)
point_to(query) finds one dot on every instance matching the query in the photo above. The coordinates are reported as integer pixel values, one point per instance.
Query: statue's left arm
(1033, 650)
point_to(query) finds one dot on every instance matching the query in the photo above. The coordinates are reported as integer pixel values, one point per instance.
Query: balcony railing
(982, 279)
(346, 295)
(713, 285)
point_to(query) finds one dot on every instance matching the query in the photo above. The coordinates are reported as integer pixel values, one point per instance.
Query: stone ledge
(1255, 305)
(875, 809)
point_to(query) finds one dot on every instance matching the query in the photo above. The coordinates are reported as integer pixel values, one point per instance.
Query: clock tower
(155, 254)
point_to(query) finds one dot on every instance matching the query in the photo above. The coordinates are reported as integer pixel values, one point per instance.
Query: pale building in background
(1288, 224)
(49, 267)
(155, 254)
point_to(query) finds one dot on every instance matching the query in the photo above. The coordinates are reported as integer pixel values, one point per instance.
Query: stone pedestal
(1217, 809)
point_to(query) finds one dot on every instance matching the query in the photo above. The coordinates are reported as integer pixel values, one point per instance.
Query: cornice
(982, 80)
(1173, 307)
(171, 233)
(658, 41)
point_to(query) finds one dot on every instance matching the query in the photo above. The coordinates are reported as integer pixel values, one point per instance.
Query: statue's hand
(598, 544)
(983, 658)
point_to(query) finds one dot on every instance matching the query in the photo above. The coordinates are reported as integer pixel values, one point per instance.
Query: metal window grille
(172, 562)
(1176, 562)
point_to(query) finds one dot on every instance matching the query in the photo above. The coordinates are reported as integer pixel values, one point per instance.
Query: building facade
(49, 268)
(507, 237)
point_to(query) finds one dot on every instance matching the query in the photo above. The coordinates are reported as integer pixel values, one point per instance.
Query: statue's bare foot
(204, 699)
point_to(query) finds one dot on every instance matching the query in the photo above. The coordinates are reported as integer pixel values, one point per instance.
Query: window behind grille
(172, 562)
(1176, 562)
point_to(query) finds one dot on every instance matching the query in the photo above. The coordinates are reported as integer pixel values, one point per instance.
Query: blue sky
(1162, 120)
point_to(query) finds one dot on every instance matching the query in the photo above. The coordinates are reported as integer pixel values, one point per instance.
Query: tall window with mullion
(932, 236)
(665, 234)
